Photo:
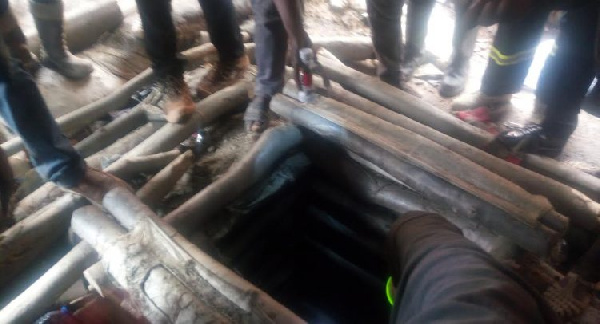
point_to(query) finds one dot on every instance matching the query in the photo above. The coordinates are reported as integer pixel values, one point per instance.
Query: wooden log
(262, 158)
(112, 132)
(148, 164)
(25, 241)
(82, 117)
(581, 210)
(49, 192)
(367, 181)
(99, 140)
(221, 103)
(208, 110)
(347, 49)
(584, 182)
(475, 192)
(37, 298)
(413, 108)
(131, 213)
(155, 190)
(163, 297)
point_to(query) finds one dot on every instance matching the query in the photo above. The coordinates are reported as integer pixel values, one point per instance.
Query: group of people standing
(279, 26)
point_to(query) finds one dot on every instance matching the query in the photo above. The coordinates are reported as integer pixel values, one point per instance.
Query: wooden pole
(413, 108)
(155, 190)
(34, 301)
(423, 165)
(581, 210)
(273, 145)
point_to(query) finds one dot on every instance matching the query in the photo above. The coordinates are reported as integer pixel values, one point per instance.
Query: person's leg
(440, 276)
(417, 19)
(15, 40)
(568, 74)
(225, 35)
(271, 47)
(160, 40)
(24, 110)
(463, 43)
(49, 20)
(384, 16)
(510, 57)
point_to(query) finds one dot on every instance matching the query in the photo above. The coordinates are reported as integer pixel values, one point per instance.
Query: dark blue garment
(24, 110)
(441, 277)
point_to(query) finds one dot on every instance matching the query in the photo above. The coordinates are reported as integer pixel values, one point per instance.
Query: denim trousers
(271, 48)
(25, 112)
(161, 40)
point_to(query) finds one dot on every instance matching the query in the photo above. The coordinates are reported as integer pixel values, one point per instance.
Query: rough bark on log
(475, 192)
(82, 117)
(155, 190)
(131, 213)
(22, 243)
(34, 301)
(164, 297)
(271, 148)
(581, 210)
(403, 103)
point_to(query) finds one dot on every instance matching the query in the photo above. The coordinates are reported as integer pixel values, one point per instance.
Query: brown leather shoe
(221, 75)
(178, 104)
(95, 184)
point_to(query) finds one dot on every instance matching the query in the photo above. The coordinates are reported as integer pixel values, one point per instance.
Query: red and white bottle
(307, 92)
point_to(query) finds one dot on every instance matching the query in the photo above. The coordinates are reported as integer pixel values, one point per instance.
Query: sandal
(255, 118)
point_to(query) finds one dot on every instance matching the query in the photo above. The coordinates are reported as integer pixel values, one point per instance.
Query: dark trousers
(384, 16)
(161, 41)
(441, 276)
(512, 53)
(570, 70)
(271, 48)
(24, 110)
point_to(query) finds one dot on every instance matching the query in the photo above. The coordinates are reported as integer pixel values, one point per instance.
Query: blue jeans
(271, 47)
(24, 110)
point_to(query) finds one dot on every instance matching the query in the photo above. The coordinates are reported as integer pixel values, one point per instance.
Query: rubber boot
(17, 43)
(54, 54)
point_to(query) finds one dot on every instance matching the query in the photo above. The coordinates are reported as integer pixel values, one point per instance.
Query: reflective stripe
(503, 60)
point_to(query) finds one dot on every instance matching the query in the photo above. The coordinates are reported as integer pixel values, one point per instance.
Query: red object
(477, 115)
(514, 159)
(306, 79)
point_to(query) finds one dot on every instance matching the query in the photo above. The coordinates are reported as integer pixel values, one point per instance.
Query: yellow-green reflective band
(503, 60)
(389, 291)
